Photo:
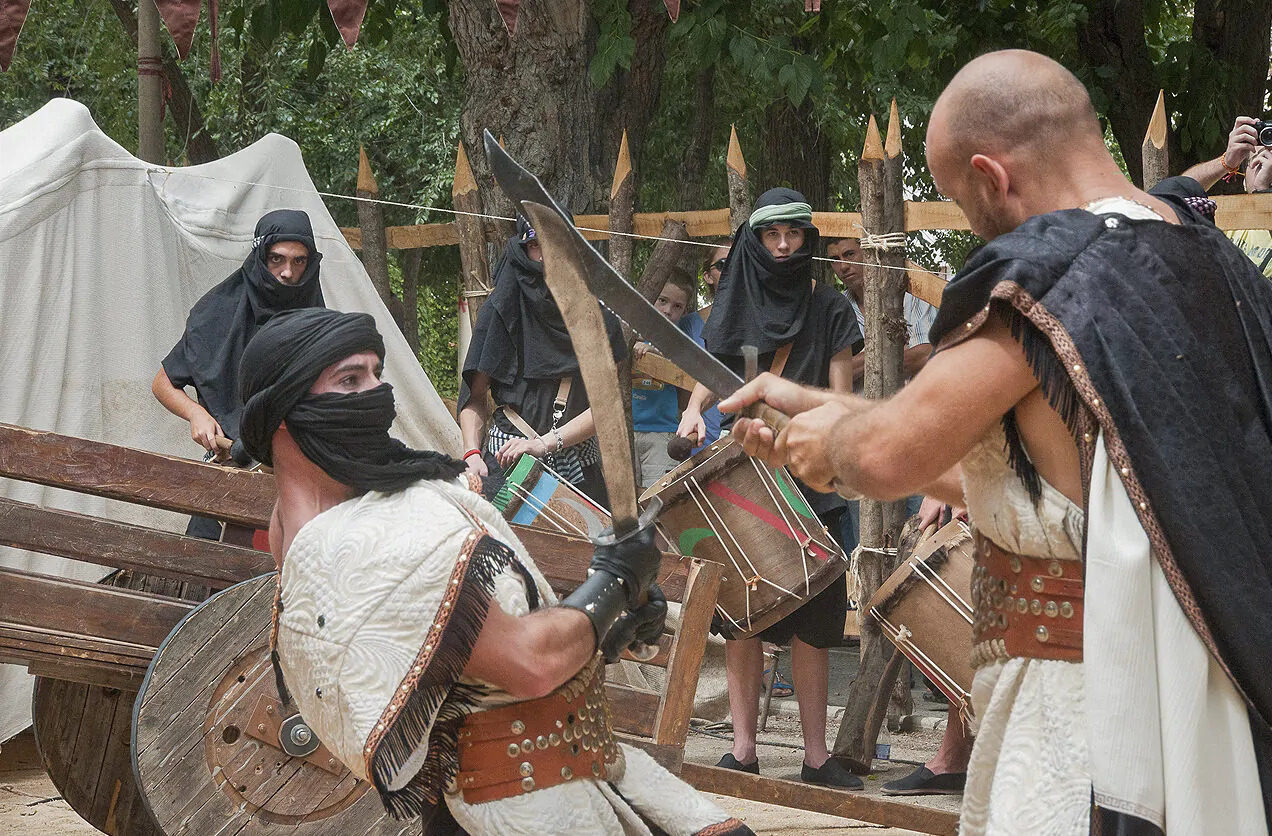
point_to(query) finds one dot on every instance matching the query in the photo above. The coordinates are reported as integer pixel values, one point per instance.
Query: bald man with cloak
(1100, 398)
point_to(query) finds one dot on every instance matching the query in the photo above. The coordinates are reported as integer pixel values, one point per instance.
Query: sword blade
(565, 274)
(612, 289)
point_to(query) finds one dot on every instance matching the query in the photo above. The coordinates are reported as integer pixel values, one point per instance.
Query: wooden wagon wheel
(206, 736)
(83, 733)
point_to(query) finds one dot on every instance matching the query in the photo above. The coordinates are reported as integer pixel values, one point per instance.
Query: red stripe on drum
(732, 496)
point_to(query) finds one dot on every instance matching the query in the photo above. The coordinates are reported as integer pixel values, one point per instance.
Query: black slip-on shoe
(730, 762)
(831, 774)
(923, 782)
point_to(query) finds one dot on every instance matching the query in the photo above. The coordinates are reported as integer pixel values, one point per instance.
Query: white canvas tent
(101, 256)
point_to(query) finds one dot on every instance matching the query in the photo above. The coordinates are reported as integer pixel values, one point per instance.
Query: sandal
(781, 688)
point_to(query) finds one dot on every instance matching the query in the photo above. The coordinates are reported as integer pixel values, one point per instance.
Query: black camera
(1263, 130)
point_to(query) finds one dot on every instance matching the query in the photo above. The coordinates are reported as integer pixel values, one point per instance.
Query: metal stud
(527, 769)
(554, 739)
(322, 621)
(1035, 607)
(1022, 605)
(1052, 609)
(1036, 584)
(518, 727)
(1143, 506)
(527, 746)
(1015, 565)
(596, 769)
(527, 784)
(567, 773)
(541, 742)
(1043, 634)
(1126, 471)
(513, 750)
(1066, 610)
(1055, 570)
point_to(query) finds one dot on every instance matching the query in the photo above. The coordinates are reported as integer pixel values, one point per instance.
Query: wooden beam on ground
(1154, 154)
(883, 207)
(801, 796)
(660, 368)
(151, 479)
(124, 546)
(621, 205)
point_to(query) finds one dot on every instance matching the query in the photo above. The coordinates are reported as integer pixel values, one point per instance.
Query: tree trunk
(697, 156)
(1238, 35)
(187, 118)
(150, 146)
(796, 152)
(533, 91)
(629, 100)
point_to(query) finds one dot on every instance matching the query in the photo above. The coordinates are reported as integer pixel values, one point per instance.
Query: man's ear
(991, 174)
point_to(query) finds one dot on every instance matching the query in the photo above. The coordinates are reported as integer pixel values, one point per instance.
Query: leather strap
(1025, 606)
(558, 409)
(779, 359)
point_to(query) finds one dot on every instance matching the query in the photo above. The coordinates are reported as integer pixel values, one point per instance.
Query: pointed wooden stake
(873, 149)
(366, 180)
(892, 146)
(375, 255)
(621, 207)
(739, 190)
(879, 176)
(1154, 153)
(465, 197)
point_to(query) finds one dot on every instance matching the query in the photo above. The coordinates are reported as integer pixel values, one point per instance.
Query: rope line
(866, 237)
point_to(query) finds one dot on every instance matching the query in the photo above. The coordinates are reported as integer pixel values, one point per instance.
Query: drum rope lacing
(544, 508)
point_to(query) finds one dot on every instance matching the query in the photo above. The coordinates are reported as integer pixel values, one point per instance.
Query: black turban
(347, 435)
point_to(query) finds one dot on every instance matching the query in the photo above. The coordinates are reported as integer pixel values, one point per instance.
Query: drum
(537, 496)
(925, 608)
(724, 506)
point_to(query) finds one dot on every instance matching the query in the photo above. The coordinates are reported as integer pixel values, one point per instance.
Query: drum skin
(537, 496)
(728, 508)
(925, 608)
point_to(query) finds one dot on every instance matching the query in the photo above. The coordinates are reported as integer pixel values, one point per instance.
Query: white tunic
(365, 586)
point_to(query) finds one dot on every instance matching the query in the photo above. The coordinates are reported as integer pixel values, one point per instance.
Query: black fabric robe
(221, 323)
(1160, 336)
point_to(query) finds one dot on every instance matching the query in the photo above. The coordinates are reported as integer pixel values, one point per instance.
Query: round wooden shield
(83, 734)
(206, 736)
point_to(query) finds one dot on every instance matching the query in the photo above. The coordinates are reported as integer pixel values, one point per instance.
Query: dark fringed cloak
(1160, 336)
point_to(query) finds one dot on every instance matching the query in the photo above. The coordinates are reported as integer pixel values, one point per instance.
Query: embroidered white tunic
(373, 601)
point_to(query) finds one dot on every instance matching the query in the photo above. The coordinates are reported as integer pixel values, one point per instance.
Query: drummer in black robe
(807, 332)
(280, 274)
(522, 356)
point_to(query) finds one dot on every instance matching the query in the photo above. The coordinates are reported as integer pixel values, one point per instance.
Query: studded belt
(532, 745)
(1024, 606)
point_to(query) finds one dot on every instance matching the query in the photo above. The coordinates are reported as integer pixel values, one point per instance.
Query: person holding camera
(1249, 143)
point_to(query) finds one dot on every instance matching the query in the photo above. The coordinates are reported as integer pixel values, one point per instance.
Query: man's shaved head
(1015, 135)
(1015, 100)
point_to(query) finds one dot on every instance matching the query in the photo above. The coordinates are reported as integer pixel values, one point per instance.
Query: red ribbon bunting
(181, 17)
(13, 14)
(348, 15)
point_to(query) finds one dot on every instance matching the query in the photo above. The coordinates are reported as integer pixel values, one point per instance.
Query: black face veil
(347, 435)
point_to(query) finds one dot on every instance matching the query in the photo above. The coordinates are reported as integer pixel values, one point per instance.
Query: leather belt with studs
(532, 745)
(1025, 606)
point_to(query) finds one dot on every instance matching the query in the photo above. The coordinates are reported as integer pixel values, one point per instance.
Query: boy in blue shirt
(656, 405)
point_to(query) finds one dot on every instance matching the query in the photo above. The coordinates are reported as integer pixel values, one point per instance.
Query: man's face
(962, 183)
(534, 250)
(1259, 170)
(782, 240)
(712, 275)
(672, 302)
(356, 373)
(846, 253)
(287, 261)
